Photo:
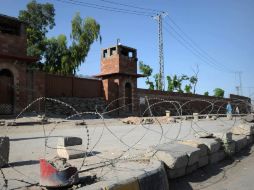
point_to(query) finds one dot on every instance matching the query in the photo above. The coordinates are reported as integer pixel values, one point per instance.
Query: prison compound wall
(160, 101)
(21, 83)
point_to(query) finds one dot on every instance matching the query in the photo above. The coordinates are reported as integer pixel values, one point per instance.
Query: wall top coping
(124, 74)
(29, 59)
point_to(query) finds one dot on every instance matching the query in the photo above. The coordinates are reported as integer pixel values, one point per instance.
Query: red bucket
(51, 177)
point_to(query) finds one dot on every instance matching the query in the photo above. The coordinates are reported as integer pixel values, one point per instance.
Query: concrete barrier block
(216, 157)
(249, 139)
(156, 179)
(240, 142)
(249, 118)
(229, 148)
(175, 173)
(71, 152)
(149, 177)
(4, 151)
(243, 129)
(69, 141)
(203, 161)
(177, 151)
(173, 160)
(195, 116)
(224, 136)
(212, 144)
(125, 185)
(202, 147)
(192, 168)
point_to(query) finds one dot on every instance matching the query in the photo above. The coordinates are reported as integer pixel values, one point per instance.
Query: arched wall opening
(128, 96)
(6, 92)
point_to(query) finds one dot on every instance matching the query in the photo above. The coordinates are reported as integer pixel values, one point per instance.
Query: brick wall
(79, 104)
(191, 103)
(64, 86)
(13, 45)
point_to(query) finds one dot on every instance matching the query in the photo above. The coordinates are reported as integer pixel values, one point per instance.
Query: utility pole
(239, 88)
(159, 17)
(240, 83)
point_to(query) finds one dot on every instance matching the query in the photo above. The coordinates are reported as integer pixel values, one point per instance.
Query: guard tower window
(128, 53)
(112, 51)
(105, 52)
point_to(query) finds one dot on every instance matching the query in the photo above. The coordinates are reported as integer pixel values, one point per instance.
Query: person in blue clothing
(229, 108)
(229, 111)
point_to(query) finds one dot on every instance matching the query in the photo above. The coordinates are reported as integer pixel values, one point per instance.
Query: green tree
(147, 71)
(84, 33)
(39, 19)
(218, 92)
(194, 81)
(56, 56)
(150, 84)
(187, 88)
(157, 78)
(206, 93)
(194, 78)
(175, 83)
(170, 84)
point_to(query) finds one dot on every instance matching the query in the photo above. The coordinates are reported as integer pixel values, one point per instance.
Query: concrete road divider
(4, 151)
(126, 185)
(176, 172)
(202, 147)
(224, 136)
(177, 157)
(71, 152)
(216, 156)
(70, 148)
(203, 161)
(240, 142)
(249, 139)
(152, 177)
(243, 129)
(191, 168)
(69, 141)
(229, 148)
(153, 180)
(213, 145)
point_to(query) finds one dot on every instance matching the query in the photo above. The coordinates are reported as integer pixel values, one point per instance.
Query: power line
(191, 50)
(131, 6)
(106, 8)
(189, 46)
(179, 32)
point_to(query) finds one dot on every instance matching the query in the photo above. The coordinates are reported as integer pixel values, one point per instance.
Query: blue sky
(223, 29)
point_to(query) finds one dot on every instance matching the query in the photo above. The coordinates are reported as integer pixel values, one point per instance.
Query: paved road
(114, 138)
(234, 174)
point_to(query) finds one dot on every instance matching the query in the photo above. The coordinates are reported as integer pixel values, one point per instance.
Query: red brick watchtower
(119, 76)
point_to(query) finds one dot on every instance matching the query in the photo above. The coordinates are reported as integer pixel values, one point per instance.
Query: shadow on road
(32, 138)
(24, 163)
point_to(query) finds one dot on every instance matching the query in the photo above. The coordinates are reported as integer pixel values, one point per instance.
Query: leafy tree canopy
(147, 71)
(39, 19)
(56, 56)
(218, 92)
